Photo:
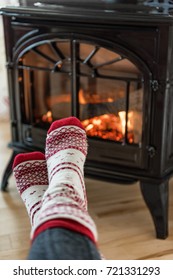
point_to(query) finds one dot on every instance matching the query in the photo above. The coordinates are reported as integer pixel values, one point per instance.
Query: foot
(30, 173)
(65, 198)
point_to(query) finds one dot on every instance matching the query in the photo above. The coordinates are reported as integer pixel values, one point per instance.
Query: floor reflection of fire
(107, 126)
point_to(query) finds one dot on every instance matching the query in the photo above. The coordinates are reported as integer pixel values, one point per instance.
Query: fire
(109, 126)
(106, 126)
(47, 117)
(87, 97)
(122, 116)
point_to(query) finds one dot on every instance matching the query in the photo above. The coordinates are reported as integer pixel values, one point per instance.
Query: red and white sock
(64, 203)
(30, 173)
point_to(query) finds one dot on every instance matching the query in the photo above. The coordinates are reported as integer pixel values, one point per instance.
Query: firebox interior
(106, 84)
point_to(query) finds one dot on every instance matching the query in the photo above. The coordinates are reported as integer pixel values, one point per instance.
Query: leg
(62, 228)
(156, 198)
(7, 172)
(30, 173)
(63, 244)
(64, 204)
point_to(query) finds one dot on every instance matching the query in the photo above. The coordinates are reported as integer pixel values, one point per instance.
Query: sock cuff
(67, 224)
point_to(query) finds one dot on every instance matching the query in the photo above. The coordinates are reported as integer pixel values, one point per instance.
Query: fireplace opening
(107, 86)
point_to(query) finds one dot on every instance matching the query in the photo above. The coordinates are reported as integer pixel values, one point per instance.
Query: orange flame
(47, 117)
(109, 126)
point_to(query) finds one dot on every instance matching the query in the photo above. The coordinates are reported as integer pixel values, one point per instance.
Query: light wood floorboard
(124, 224)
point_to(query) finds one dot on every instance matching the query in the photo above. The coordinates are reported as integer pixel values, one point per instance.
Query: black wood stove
(110, 64)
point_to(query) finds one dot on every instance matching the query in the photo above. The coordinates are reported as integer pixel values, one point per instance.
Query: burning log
(107, 126)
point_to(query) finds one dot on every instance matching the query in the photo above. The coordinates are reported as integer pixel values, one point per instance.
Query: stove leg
(7, 172)
(156, 198)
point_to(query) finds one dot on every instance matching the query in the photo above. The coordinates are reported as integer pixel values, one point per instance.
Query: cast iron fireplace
(110, 65)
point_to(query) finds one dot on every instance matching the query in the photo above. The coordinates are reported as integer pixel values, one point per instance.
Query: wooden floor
(124, 223)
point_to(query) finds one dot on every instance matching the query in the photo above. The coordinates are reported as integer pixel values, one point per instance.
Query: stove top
(95, 10)
(126, 6)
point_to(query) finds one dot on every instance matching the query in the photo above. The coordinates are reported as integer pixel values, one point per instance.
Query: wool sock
(30, 173)
(64, 204)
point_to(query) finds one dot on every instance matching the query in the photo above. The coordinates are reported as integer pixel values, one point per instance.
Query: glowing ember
(109, 126)
(47, 117)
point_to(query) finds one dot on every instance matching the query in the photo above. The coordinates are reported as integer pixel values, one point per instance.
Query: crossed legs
(53, 190)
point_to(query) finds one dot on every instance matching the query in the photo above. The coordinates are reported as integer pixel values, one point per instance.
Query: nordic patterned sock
(64, 203)
(30, 173)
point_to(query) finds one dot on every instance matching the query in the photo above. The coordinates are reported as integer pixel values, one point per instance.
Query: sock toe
(26, 157)
(64, 122)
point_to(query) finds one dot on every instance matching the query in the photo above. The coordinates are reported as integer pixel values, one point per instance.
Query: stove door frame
(135, 157)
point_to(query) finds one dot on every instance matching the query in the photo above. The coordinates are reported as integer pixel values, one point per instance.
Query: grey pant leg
(62, 244)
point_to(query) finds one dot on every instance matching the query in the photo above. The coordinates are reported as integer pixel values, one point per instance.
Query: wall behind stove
(4, 112)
